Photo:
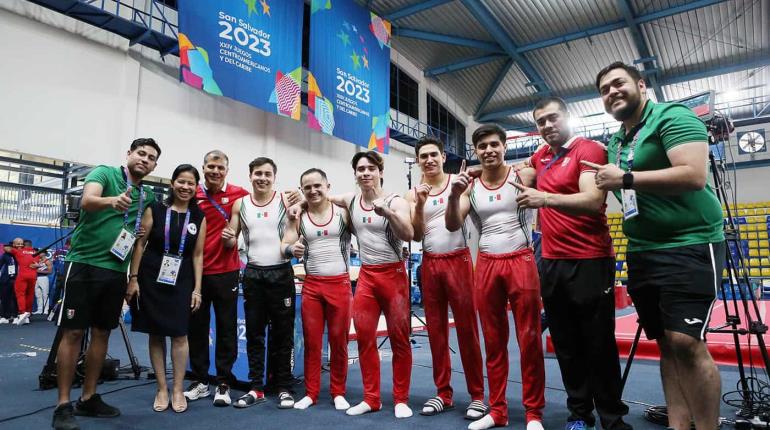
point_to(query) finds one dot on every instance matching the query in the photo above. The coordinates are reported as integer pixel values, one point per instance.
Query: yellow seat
(754, 262)
(617, 274)
(765, 262)
(622, 249)
(749, 227)
(764, 243)
(749, 211)
(724, 273)
(766, 271)
(755, 273)
(623, 274)
(625, 266)
(760, 211)
(742, 205)
(753, 244)
(621, 257)
(764, 252)
(762, 234)
(752, 235)
(753, 253)
(624, 241)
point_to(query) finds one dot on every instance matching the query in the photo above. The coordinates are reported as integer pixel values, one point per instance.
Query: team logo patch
(262, 215)
(70, 314)
(565, 162)
(495, 197)
(367, 220)
(225, 200)
(192, 229)
(287, 302)
(438, 201)
(322, 233)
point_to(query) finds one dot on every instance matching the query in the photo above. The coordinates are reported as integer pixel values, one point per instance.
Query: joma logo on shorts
(693, 321)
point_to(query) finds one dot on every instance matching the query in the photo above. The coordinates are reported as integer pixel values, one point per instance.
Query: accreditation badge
(11, 270)
(169, 269)
(630, 208)
(123, 244)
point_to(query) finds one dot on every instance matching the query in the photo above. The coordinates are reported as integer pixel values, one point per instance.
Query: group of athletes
(655, 165)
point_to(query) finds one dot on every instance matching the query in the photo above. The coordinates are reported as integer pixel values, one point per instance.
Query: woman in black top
(166, 272)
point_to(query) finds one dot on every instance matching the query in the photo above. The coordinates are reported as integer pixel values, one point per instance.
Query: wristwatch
(628, 180)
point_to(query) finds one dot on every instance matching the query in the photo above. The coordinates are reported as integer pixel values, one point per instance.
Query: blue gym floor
(21, 398)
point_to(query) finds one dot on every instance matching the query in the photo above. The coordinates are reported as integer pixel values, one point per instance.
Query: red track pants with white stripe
(503, 278)
(383, 288)
(326, 299)
(25, 292)
(447, 279)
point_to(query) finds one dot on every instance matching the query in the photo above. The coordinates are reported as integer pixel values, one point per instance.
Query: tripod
(736, 271)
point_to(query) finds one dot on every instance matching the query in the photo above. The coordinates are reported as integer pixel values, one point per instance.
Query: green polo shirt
(96, 232)
(666, 221)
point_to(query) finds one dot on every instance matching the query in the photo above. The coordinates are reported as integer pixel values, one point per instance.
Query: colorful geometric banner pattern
(349, 74)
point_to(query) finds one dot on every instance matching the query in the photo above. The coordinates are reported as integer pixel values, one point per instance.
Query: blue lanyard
(140, 209)
(215, 204)
(631, 150)
(166, 231)
(556, 158)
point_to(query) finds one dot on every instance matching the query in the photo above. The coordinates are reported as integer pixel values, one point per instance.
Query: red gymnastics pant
(447, 279)
(383, 288)
(326, 299)
(25, 292)
(503, 278)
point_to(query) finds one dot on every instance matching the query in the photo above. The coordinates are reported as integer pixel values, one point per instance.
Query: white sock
(485, 423)
(303, 403)
(340, 403)
(402, 410)
(474, 414)
(359, 409)
(535, 425)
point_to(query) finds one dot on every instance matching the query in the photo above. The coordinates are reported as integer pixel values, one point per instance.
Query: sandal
(159, 406)
(250, 399)
(285, 400)
(435, 406)
(476, 406)
(179, 407)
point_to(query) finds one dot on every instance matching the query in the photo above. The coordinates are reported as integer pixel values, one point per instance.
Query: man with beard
(221, 268)
(577, 269)
(95, 281)
(447, 280)
(505, 273)
(658, 170)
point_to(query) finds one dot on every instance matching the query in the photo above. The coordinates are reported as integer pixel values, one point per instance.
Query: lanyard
(140, 209)
(166, 229)
(216, 205)
(631, 148)
(562, 152)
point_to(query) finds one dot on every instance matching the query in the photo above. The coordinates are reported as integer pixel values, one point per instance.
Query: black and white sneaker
(63, 418)
(222, 395)
(95, 407)
(285, 400)
(197, 390)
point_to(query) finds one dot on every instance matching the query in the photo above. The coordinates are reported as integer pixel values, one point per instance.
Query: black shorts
(92, 297)
(674, 289)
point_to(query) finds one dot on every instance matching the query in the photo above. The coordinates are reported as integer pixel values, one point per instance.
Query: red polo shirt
(567, 236)
(217, 258)
(24, 258)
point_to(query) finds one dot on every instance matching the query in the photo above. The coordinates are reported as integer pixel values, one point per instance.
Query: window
(403, 92)
(451, 130)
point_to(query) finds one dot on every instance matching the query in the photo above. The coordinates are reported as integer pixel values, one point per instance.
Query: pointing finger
(590, 164)
(518, 186)
(462, 166)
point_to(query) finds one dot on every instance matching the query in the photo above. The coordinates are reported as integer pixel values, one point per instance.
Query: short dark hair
(182, 168)
(486, 130)
(311, 171)
(260, 161)
(215, 154)
(145, 141)
(631, 70)
(373, 156)
(428, 140)
(545, 101)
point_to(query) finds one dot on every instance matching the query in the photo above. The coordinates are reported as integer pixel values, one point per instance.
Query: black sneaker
(63, 418)
(95, 407)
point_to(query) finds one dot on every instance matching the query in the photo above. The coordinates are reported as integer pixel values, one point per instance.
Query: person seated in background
(165, 279)
(9, 309)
